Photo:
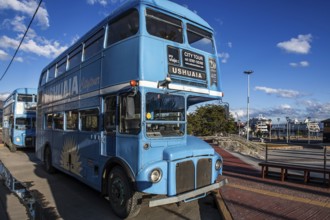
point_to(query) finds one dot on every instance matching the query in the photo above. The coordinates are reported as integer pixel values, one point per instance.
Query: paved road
(63, 197)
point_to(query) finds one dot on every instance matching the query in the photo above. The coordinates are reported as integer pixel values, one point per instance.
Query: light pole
(287, 129)
(278, 128)
(309, 131)
(248, 73)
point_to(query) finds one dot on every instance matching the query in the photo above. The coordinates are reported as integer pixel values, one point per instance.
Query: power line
(12, 59)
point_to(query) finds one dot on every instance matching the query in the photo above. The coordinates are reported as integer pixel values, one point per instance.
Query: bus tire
(123, 199)
(48, 164)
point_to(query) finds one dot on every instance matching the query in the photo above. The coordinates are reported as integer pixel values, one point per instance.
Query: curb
(223, 210)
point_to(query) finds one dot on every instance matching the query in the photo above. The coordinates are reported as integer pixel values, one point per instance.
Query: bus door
(89, 146)
(109, 139)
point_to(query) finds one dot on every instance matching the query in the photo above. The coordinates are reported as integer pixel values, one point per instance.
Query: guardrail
(308, 160)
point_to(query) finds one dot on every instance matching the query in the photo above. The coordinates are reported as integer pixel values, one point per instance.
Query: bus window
(61, 67)
(43, 78)
(49, 121)
(22, 123)
(58, 121)
(164, 26)
(75, 57)
(72, 120)
(200, 39)
(94, 44)
(110, 114)
(24, 98)
(124, 27)
(89, 120)
(130, 114)
(51, 73)
(165, 108)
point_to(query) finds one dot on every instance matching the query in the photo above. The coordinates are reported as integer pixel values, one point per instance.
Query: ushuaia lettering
(186, 72)
(66, 88)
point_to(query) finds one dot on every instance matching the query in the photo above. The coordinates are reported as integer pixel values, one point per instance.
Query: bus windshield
(165, 115)
(23, 123)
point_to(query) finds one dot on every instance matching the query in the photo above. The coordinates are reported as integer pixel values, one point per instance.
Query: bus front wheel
(124, 201)
(48, 161)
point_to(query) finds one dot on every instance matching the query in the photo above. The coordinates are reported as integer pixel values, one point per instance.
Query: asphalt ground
(248, 196)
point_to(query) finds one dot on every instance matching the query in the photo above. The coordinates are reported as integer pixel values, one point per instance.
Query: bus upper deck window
(51, 73)
(94, 44)
(123, 27)
(164, 26)
(43, 78)
(61, 67)
(200, 39)
(75, 57)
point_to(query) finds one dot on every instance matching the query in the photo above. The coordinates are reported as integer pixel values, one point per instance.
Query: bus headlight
(218, 164)
(155, 175)
(18, 139)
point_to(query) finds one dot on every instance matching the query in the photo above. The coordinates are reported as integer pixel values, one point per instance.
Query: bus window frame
(193, 29)
(81, 115)
(123, 118)
(74, 54)
(95, 43)
(162, 19)
(114, 22)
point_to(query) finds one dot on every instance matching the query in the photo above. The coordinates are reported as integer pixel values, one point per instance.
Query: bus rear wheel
(48, 164)
(124, 201)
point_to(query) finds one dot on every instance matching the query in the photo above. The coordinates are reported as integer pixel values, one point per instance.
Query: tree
(209, 120)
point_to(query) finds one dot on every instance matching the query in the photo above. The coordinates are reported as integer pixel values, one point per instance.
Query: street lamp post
(309, 132)
(248, 73)
(287, 129)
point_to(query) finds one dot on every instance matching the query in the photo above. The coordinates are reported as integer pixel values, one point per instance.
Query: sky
(286, 43)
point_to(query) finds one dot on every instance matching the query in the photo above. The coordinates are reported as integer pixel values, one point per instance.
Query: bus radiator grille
(185, 177)
(29, 141)
(204, 169)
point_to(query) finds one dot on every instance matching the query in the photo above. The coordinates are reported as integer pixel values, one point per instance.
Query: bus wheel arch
(48, 161)
(113, 162)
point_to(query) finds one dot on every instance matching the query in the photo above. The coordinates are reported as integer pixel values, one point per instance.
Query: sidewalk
(248, 196)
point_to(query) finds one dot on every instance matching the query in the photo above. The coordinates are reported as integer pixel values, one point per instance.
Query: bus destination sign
(186, 72)
(193, 60)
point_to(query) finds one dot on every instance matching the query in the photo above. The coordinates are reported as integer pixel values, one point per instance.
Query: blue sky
(285, 43)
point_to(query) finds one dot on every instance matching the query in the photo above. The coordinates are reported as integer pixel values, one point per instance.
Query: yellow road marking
(281, 196)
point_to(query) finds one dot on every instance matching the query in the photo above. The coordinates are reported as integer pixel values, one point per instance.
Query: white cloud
(299, 45)
(3, 55)
(224, 57)
(285, 93)
(230, 44)
(300, 64)
(38, 46)
(3, 96)
(101, 2)
(27, 7)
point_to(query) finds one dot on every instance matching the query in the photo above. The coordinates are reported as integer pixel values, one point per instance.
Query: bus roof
(165, 5)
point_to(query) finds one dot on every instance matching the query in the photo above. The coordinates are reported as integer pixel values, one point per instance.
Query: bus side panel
(57, 146)
(154, 58)
(120, 63)
(89, 154)
(128, 149)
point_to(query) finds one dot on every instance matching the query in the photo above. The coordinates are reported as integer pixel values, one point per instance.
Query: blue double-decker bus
(19, 119)
(112, 108)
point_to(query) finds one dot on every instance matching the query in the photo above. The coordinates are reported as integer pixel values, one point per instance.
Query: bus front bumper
(189, 196)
